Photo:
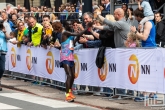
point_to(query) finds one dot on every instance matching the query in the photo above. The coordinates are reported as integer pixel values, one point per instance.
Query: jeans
(2, 65)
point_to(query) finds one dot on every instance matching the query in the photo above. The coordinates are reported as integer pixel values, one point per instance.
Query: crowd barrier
(134, 69)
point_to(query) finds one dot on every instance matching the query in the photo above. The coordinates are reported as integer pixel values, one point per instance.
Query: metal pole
(112, 7)
(164, 11)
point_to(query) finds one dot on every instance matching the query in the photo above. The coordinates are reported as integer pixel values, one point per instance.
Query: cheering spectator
(36, 34)
(131, 40)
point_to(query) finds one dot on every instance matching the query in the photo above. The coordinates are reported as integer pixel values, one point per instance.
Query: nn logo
(50, 62)
(134, 69)
(29, 59)
(13, 57)
(77, 65)
(103, 71)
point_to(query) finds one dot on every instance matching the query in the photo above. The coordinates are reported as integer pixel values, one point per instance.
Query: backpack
(100, 57)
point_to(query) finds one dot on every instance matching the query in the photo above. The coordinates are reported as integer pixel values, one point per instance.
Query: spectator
(147, 10)
(148, 40)
(36, 34)
(26, 21)
(131, 40)
(88, 17)
(14, 20)
(120, 27)
(48, 39)
(19, 34)
(8, 9)
(3, 49)
(7, 23)
(125, 8)
(149, 32)
(106, 8)
(131, 17)
(160, 27)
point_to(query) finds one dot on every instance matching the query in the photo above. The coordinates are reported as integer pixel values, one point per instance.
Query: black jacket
(160, 31)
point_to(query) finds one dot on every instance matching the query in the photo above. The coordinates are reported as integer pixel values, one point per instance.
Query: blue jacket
(3, 42)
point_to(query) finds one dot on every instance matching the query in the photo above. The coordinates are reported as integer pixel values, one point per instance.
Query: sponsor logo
(13, 57)
(103, 71)
(133, 69)
(77, 65)
(50, 62)
(29, 59)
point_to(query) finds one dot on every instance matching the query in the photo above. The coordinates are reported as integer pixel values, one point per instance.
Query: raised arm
(139, 6)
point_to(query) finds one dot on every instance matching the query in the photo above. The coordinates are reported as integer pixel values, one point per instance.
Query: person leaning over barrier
(36, 32)
(3, 49)
(67, 58)
(148, 40)
(121, 29)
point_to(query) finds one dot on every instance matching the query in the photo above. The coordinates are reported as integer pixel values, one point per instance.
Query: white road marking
(8, 107)
(39, 100)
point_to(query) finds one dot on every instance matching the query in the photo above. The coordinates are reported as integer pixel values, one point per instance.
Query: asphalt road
(14, 100)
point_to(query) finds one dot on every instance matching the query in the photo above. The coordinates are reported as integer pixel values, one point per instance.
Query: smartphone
(49, 32)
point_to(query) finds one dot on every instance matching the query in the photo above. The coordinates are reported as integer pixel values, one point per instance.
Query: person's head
(118, 14)
(31, 8)
(8, 7)
(45, 9)
(138, 15)
(73, 9)
(18, 6)
(68, 25)
(21, 26)
(14, 17)
(4, 15)
(32, 21)
(158, 17)
(131, 10)
(131, 37)
(124, 7)
(98, 23)
(47, 25)
(46, 18)
(106, 1)
(1, 25)
(88, 17)
(75, 24)
(12, 34)
(57, 27)
(26, 19)
(68, 6)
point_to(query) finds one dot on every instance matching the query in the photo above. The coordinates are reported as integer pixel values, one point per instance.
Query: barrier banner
(134, 69)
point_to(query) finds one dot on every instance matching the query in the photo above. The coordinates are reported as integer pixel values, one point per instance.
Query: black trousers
(2, 64)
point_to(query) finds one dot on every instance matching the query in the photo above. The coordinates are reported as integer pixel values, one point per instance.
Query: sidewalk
(95, 101)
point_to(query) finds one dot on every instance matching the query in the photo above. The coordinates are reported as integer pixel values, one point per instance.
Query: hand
(83, 40)
(139, 27)
(29, 44)
(133, 28)
(98, 12)
(4, 30)
(14, 42)
(90, 24)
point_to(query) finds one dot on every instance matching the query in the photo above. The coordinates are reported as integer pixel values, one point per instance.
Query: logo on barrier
(29, 59)
(77, 65)
(13, 57)
(50, 62)
(103, 71)
(133, 69)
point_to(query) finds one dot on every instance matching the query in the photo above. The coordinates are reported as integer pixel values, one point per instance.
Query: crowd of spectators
(41, 27)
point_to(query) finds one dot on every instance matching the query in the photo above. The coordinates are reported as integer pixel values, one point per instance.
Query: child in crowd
(131, 40)
(12, 37)
(147, 11)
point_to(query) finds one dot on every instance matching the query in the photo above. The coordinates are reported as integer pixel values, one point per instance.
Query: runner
(66, 57)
